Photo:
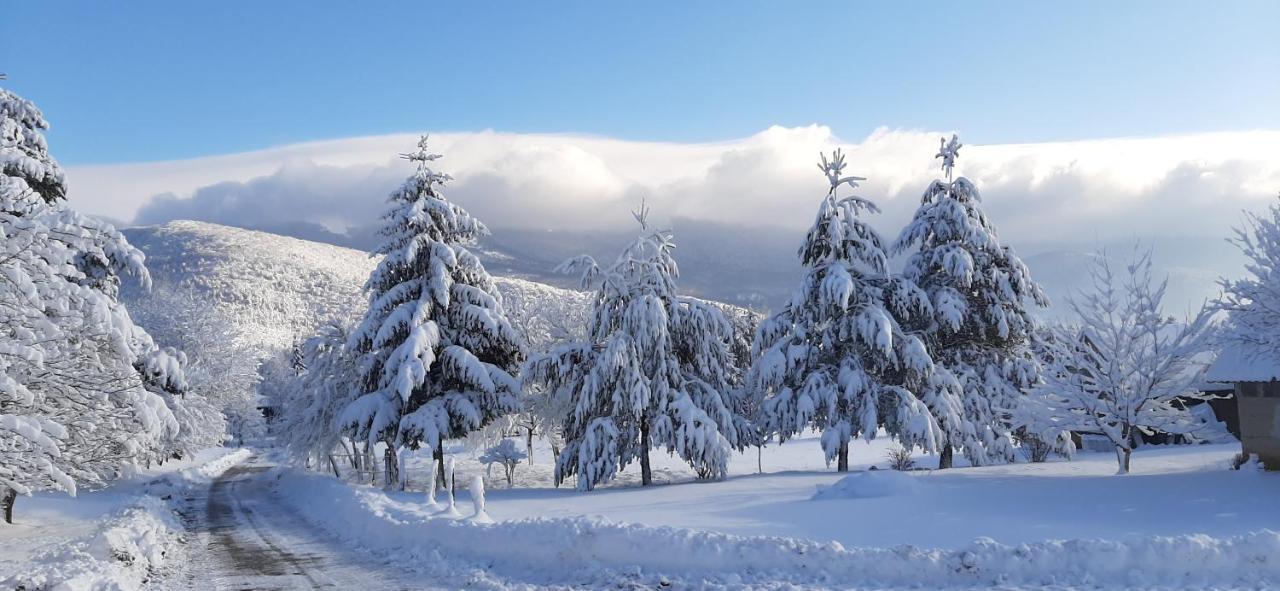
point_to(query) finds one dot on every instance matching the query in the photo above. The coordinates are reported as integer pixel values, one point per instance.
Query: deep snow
(1173, 490)
(118, 539)
(1181, 520)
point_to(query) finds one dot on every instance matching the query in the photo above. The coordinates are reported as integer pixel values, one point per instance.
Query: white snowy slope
(277, 289)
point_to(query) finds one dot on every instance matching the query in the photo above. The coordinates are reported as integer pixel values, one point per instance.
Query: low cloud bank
(1097, 190)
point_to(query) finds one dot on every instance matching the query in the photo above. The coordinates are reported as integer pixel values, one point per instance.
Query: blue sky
(144, 81)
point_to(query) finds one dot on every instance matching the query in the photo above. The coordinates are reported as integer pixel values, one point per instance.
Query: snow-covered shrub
(840, 356)
(900, 458)
(507, 455)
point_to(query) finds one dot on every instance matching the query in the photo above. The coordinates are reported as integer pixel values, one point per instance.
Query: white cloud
(1084, 190)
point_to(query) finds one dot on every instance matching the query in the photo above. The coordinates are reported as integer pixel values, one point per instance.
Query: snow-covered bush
(654, 370)
(507, 455)
(1123, 368)
(900, 458)
(839, 356)
(435, 350)
(980, 291)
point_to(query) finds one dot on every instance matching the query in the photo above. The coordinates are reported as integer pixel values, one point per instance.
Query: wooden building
(1256, 382)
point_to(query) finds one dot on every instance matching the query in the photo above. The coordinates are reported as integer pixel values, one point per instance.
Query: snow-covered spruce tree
(654, 371)
(1253, 302)
(980, 291)
(1123, 367)
(436, 351)
(839, 356)
(74, 411)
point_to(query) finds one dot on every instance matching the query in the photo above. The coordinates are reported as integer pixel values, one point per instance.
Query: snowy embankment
(130, 544)
(594, 550)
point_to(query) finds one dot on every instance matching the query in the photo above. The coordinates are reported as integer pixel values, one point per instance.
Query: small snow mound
(868, 485)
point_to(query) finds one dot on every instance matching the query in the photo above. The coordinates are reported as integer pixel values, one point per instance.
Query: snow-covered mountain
(276, 289)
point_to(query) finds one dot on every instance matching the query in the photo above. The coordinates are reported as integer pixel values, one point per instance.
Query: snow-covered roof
(1236, 363)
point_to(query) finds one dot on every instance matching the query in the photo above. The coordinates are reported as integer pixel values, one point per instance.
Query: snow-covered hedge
(130, 545)
(597, 551)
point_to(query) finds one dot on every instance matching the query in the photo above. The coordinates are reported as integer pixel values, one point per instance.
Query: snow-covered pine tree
(980, 292)
(297, 361)
(437, 353)
(73, 407)
(838, 356)
(654, 371)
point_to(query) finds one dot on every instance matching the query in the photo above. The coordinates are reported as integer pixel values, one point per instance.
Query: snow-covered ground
(109, 538)
(1182, 519)
(1173, 490)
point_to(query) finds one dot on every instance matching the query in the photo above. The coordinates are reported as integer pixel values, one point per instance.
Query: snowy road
(251, 541)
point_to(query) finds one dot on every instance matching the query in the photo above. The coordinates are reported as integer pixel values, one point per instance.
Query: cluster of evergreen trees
(937, 355)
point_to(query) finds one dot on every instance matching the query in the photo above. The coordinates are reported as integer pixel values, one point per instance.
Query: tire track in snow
(255, 542)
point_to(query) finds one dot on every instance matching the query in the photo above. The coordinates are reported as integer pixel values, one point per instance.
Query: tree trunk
(8, 497)
(437, 454)
(369, 463)
(646, 476)
(355, 457)
(1122, 457)
(392, 463)
(759, 459)
(334, 464)
(528, 443)
(842, 457)
(945, 458)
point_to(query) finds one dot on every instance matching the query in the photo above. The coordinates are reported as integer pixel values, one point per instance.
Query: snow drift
(868, 485)
(597, 550)
(130, 545)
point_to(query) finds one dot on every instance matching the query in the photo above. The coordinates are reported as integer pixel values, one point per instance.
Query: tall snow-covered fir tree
(85, 394)
(654, 371)
(980, 331)
(437, 354)
(841, 355)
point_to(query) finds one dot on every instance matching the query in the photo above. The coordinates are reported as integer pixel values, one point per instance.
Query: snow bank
(869, 485)
(121, 555)
(596, 550)
(130, 545)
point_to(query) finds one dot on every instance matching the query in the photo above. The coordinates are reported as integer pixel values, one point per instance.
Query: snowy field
(1173, 490)
(1182, 519)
